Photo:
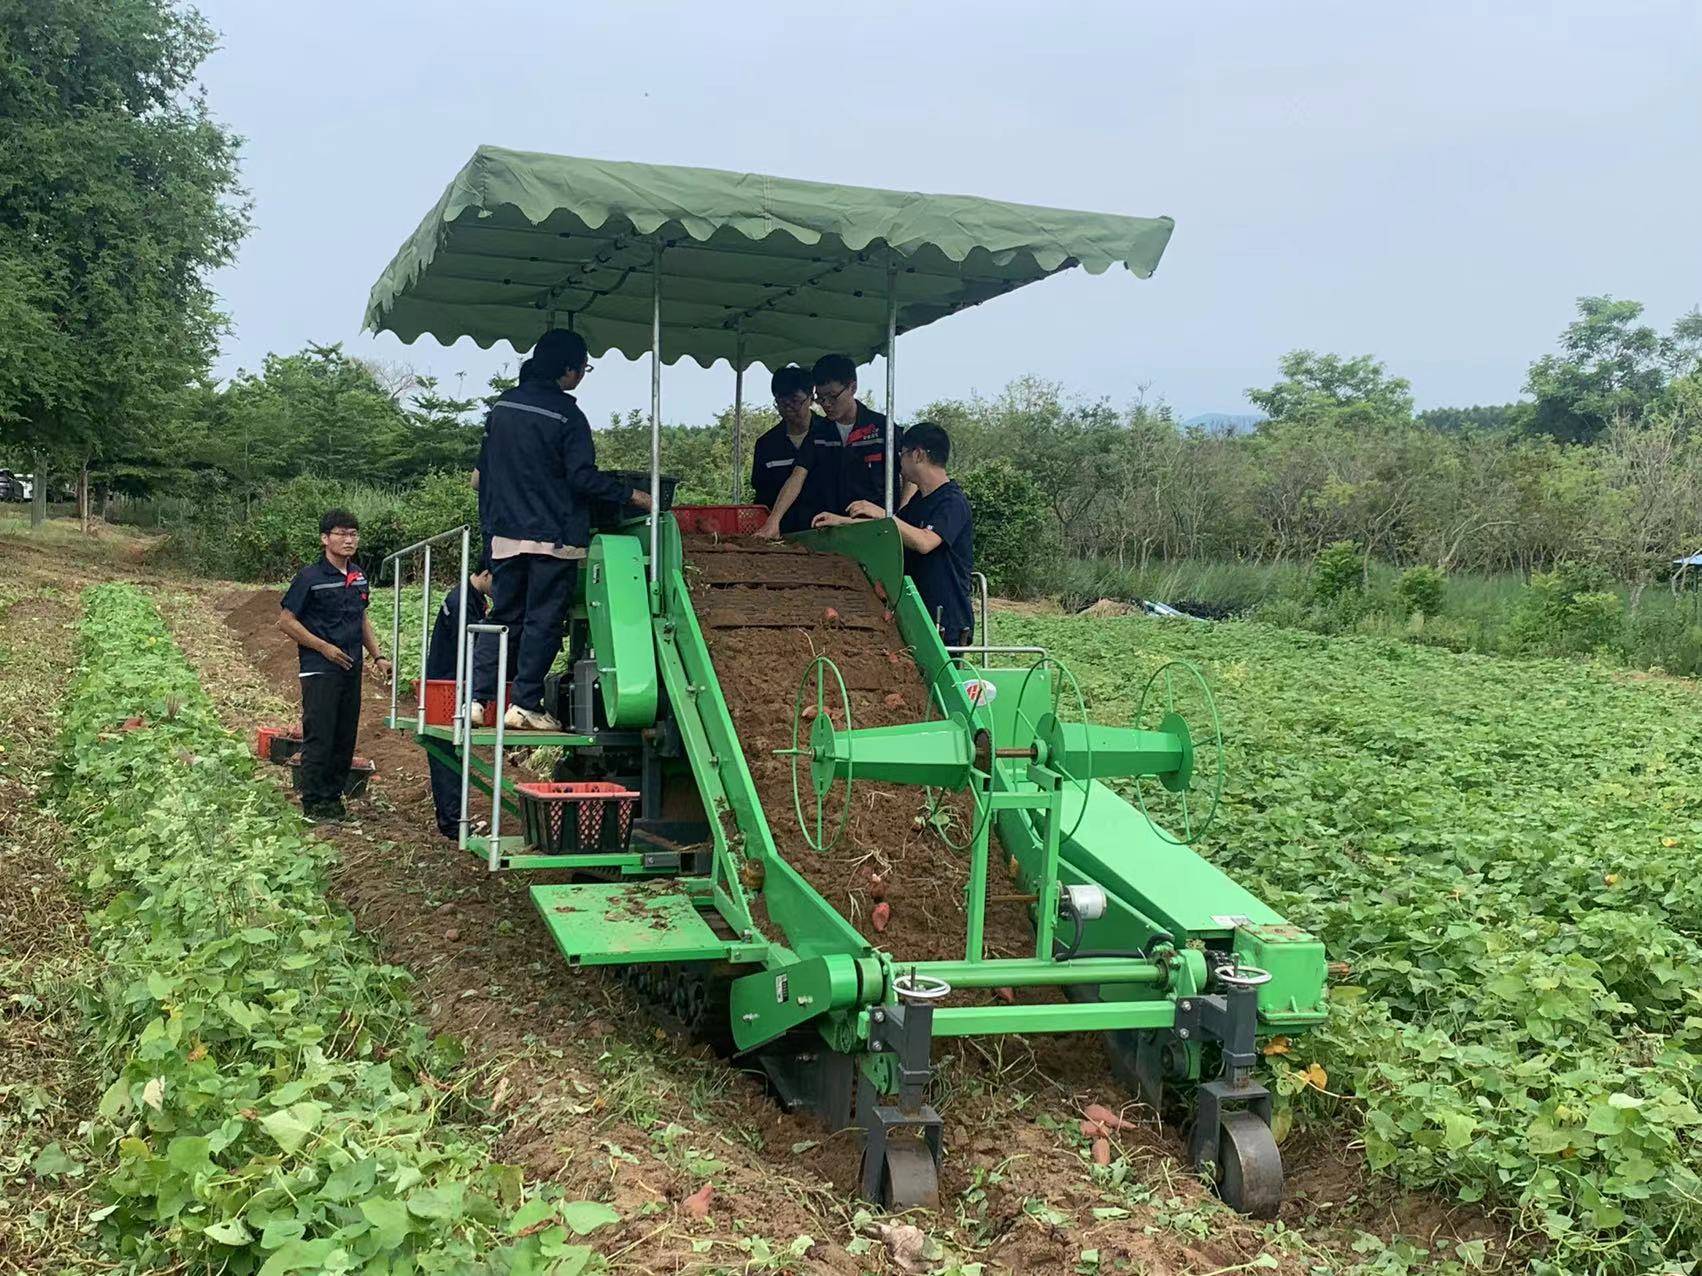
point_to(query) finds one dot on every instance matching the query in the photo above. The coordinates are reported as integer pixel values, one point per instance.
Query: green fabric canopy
(522, 242)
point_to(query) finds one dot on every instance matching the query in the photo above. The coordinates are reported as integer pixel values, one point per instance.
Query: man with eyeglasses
(777, 451)
(937, 528)
(853, 459)
(324, 612)
(536, 478)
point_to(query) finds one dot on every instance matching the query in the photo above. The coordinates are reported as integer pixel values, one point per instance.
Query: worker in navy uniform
(776, 452)
(324, 611)
(937, 529)
(440, 665)
(853, 459)
(537, 476)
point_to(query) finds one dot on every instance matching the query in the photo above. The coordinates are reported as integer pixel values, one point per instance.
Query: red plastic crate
(723, 520)
(277, 744)
(571, 817)
(440, 701)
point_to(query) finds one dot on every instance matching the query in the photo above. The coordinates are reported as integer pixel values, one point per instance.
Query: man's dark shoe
(322, 813)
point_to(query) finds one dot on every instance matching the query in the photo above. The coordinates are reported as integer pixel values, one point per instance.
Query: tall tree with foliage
(118, 194)
(1610, 369)
(1328, 388)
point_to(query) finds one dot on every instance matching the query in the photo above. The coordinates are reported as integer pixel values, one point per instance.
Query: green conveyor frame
(1154, 886)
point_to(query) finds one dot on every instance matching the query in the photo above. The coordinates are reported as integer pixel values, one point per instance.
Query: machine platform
(609, 923)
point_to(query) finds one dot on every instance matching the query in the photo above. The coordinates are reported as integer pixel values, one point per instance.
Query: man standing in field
(937, 529)
(856, 468)
(324, 612)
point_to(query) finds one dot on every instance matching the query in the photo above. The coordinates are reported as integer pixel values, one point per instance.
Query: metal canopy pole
(738, 402)
(891, 343)
(656, 417)
(396, 636)
(462, 672)
(425, 637)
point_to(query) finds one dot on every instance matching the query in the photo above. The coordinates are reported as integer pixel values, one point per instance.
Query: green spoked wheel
(821, 820)
(1175, 695)
(1057, 700)
(982, 749)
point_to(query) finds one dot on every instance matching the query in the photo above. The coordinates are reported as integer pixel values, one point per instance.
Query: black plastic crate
(576, 817)
(360, 771)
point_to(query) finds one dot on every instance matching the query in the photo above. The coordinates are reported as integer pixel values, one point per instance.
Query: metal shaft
(463, 712)
(891, 379)
(974, 944)
(493, 848)
(425, 634)
(499, 633)
(462, 673)
(396, 637)
(986, 621)
(1035, 972)
(656, 417)
(738, 405)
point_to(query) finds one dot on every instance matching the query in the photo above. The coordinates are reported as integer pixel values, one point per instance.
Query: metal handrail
(986, 619)
(464, 713)
(463, 661)
(430, 540)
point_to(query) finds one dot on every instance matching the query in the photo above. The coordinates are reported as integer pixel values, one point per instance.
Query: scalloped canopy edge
(752, 269)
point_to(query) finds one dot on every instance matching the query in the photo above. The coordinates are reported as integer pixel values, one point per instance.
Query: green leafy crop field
(1507, 854)
(275, 1109)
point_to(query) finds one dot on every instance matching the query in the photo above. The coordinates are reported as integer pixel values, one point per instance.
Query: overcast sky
(1433, 184)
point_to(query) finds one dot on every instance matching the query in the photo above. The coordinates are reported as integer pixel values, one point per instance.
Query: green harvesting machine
(1136, 938)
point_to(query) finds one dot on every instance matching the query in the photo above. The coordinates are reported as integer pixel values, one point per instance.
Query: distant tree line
(1598, 465)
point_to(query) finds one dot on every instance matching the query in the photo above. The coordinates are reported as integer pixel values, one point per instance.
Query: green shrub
(1665, 635)
(281, 530)
(1011, 545)
(436, 504)
(1339, 570)
(1289, 613)
(1566, 611)
(1419, 590)
(1596, 620)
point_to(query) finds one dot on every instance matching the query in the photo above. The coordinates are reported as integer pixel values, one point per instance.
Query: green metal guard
(1161, 704)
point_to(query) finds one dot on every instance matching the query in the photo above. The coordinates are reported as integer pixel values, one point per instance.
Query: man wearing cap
(853, 459)
(777, 451)
(937, 529)
(537, 476)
